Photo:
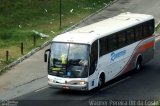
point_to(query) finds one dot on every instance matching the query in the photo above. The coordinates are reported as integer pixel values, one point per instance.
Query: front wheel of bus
(101, 81)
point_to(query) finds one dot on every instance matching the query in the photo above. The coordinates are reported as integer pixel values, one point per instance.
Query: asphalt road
(143, 85)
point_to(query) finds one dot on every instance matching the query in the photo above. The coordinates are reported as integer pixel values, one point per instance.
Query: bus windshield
(69, 60)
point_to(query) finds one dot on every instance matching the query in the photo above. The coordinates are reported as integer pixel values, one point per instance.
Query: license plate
(65, 87)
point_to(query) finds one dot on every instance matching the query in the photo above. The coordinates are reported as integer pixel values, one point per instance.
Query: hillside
(18, 18)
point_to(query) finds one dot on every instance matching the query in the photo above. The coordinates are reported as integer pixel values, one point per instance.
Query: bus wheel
(101, 81)
(139, 64)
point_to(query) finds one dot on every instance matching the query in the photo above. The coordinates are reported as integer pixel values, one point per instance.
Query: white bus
(87, 57)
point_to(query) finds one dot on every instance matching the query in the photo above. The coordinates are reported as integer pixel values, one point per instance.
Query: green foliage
(5, 35)
(19, 17)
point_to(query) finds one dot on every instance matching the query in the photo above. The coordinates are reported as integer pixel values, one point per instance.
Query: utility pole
(60, 13)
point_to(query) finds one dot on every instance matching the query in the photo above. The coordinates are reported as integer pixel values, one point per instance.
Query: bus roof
(88, 34)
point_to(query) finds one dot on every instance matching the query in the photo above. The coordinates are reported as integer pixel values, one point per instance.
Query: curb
(48, 42)
(33, 51)
(156, 27)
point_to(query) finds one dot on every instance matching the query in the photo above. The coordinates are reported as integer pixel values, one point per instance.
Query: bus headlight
(51, 80)
(82, 82)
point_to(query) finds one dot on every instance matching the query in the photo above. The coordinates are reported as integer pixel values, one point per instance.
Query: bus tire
(101, 81)
(139, 63)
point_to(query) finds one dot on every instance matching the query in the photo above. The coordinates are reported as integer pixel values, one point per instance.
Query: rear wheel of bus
(139, 63)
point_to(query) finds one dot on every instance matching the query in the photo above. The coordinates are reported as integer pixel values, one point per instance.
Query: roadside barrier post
(7, 55)
(22, 48)
(60, 13)
(34, 40)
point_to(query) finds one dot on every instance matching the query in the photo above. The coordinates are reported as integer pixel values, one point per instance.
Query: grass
(158, 103)
(19, 17)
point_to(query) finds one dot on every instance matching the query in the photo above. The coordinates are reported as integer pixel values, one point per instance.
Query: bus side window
(130, 36)
(103, 46)
(145, 30)
(122, 39)
(94, 57)
(151, 27)
(138, 32)
(112, 43)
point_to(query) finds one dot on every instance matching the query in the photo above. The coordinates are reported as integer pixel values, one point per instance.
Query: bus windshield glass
(69, 60)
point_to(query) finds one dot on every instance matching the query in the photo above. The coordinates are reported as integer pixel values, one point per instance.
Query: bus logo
(117, 55)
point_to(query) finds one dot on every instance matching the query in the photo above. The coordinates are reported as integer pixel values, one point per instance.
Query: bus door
(93, 73)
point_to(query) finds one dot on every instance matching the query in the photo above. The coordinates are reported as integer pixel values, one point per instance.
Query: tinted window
(94, 57)
(145, 29)
(138, 32)
(112, 43)
(130, 36)
(103, 46)
(151, 27)
(122, 39)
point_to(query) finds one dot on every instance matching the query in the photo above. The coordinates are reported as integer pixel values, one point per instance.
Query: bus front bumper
(83, 87)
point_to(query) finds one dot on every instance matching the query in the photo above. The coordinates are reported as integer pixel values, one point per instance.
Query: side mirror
(45, 55)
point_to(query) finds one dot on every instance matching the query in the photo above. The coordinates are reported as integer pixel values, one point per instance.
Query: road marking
(41, 89)
(116, 83)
